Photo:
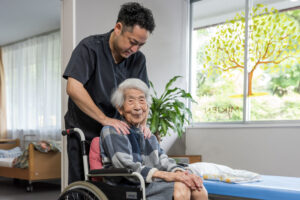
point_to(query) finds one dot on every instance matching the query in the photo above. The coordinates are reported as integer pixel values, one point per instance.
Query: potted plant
(168, 111)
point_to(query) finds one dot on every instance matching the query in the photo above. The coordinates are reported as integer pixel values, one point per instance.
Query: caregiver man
(97, 66)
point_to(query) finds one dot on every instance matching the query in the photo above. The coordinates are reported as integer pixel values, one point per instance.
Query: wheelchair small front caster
(29, 188)
(16, 181)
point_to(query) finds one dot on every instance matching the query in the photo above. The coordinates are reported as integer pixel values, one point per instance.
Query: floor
(16, 190)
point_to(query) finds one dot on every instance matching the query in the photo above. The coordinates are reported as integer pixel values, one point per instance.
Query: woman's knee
(200, 195)
(181, 191)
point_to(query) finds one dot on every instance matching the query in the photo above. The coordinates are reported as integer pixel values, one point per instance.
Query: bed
(41, 166)
(270, 188)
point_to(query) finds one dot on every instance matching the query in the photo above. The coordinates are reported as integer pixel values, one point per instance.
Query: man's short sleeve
(80, 66)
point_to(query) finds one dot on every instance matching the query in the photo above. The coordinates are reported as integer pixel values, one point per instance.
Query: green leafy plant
(168, 111)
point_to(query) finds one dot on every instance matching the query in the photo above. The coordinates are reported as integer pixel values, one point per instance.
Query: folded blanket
(10, 153)
(46, 146)
(42, 146)
(223, 173)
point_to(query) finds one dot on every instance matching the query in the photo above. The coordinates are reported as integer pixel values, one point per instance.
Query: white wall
(166, 48)
(167, 53)
(265, 150)
(67, 42)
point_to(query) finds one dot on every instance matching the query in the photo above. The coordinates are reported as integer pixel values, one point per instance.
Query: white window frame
(246, 112)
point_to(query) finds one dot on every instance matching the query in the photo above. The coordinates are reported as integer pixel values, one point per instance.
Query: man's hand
(120, 126)
(145, 129)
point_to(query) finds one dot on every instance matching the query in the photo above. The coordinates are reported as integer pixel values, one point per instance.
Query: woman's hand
(193, 181)
(197, 180)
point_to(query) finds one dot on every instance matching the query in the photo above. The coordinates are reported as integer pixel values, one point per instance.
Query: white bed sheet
(6, 162)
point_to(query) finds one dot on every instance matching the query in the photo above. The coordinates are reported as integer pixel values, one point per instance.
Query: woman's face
(135, 107)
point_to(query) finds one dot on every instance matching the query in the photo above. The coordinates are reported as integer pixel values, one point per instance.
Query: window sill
(261, 124)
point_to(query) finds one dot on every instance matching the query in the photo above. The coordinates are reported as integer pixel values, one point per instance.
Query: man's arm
(83, 100)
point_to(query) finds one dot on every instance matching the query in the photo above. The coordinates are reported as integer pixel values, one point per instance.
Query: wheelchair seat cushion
(94, 155)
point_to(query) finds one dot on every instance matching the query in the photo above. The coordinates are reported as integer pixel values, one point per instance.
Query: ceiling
(20, 19)
(208, 12)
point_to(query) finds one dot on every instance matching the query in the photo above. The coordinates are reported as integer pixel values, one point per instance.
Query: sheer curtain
(2, 100)
(33, 95)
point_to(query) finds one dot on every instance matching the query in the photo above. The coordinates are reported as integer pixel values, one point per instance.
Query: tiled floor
(10, 190)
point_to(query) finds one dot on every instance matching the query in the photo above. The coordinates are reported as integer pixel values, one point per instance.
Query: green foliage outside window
(274, 57)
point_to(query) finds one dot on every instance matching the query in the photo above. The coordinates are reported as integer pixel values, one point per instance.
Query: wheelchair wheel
(82, 190)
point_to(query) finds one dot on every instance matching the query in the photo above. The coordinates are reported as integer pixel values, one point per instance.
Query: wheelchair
(92, 189)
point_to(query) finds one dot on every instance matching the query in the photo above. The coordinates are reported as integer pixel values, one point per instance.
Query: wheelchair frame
(87, 189)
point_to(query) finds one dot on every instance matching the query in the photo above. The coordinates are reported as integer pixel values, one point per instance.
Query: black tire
(76, 194)
(82, 190)
(16, 181)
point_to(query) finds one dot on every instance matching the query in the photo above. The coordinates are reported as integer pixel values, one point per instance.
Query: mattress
(270, 188)
(6, 162)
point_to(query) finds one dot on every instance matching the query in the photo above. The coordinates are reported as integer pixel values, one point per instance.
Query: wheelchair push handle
(68, 132)
(79, 132)
(72, 131)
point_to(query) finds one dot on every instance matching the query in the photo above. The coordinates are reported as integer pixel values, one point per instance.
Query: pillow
(10, 153)
(212, 171)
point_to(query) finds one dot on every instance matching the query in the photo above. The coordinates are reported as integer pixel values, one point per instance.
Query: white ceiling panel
(20, 19)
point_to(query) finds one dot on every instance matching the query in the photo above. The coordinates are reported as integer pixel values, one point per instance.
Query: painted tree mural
(274, 44)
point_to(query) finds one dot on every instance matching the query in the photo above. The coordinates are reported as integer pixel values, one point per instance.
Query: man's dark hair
(133, 13)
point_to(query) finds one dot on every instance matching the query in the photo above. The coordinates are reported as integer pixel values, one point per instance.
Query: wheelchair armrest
(111, 171)
(183, 164)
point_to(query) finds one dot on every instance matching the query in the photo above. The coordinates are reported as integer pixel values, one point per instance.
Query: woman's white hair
(118, 96)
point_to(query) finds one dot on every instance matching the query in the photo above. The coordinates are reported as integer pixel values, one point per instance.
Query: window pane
(218, 60)
(274, 61)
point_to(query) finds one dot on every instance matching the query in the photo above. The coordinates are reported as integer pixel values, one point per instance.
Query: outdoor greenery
(273, 67)
(274, 40)
(168, 111)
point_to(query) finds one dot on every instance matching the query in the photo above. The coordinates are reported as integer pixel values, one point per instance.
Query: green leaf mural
(274, 43)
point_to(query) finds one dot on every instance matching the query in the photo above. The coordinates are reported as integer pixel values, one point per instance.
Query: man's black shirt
(93, 65)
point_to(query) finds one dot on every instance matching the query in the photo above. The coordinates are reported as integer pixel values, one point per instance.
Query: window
(33, 87)
(270, 65)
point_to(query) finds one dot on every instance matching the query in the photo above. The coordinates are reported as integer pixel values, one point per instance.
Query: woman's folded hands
(193, 181)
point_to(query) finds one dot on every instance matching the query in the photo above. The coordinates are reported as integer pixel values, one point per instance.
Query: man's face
(135, 107)
(129, 40)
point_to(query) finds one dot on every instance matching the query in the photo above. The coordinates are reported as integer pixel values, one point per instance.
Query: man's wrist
(102, 119)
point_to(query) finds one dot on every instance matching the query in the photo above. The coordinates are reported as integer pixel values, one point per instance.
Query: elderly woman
(164, 178)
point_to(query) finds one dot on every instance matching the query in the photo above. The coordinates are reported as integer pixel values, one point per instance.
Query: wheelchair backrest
(95, 160)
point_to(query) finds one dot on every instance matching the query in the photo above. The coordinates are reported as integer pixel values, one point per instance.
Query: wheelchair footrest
(120, 192)
(111, 171)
